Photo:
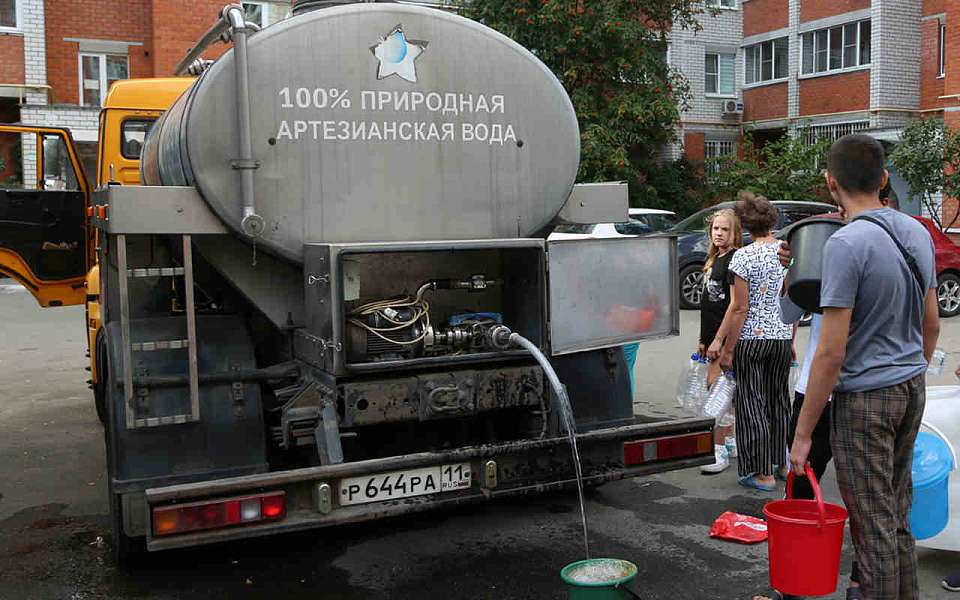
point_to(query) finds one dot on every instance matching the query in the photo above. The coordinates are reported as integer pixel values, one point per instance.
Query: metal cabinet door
(610, 292)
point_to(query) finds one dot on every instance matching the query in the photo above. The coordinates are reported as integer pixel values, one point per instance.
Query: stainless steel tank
(377, 122)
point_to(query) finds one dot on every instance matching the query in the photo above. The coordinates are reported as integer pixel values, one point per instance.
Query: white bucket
(941, 416)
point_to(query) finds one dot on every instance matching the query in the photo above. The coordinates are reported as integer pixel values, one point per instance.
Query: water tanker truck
(333, 298)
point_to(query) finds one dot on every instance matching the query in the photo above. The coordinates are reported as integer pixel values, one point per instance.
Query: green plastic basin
(599, 579)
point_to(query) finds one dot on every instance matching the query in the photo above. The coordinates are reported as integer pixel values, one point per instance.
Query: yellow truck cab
(45, 243)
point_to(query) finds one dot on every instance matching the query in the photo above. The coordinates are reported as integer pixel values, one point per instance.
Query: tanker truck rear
(332, 299)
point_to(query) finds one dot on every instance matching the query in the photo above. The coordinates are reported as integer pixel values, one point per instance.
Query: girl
(724, 237)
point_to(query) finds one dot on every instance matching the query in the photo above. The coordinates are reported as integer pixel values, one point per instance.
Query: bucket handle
(940, 434)
(817, 492)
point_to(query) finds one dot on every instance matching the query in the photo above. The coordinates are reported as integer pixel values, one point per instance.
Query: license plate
(404, 484)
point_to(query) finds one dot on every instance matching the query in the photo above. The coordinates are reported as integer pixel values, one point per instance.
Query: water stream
(566, 413)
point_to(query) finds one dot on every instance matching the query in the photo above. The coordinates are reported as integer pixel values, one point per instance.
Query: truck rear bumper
(519, 468)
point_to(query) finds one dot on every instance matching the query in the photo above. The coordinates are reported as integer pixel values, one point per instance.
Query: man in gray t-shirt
(863, 270)
(880, 326)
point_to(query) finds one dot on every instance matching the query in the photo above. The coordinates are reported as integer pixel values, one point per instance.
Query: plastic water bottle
(727, 420)
(697, 386)
(935, 368)
(720, 397)
(683, 384)
(794, 375)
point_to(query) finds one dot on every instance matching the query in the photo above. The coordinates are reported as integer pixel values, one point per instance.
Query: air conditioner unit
(732, 107)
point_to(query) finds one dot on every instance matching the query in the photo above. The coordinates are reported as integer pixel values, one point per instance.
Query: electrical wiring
(421, 312)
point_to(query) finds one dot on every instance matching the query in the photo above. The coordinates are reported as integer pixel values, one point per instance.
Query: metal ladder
(130, 393)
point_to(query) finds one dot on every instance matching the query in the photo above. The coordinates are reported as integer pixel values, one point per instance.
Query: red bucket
(805, 539)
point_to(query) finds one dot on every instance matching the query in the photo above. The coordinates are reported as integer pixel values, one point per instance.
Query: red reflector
(214, 514)
(680, 446)
(273, 507)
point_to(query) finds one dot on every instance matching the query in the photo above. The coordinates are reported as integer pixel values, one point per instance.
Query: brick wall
(111, 20)
(811, 10)
(766, 102)
(760, 16)
(952, 81)
(177, 25)
(161, 32)
(835, 93)
(34, 50)
(11, 58)
(896, 54)
(931, 84)
(933, 7)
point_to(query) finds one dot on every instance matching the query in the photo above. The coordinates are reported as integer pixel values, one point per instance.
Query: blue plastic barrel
(932, 463)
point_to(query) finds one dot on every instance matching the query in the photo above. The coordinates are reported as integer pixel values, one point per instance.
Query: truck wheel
(691, 286)
(128, 551)
(100, 385)
(948, 294)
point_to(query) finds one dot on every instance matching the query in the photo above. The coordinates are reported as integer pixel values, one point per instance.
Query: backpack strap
(910, 260)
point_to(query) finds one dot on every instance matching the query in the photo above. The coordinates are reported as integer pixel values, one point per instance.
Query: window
(831, 132)
(97, 72)
(842, 47)
(8, 14)
(632, 227)
(792, 214)
(721, 74)
(943, 55)
(262, 14)
(767, 61)
(58, 173)
(573, 228)
(722, 3)
(132, 134)
(715, 149)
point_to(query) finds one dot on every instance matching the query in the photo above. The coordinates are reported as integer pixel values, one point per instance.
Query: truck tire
(100, 386)
(126, 550)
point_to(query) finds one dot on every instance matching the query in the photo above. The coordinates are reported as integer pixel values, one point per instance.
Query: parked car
(642, 220)
(947, 256)
(692, 243)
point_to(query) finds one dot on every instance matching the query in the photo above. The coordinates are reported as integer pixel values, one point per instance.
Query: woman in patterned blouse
(758, 346)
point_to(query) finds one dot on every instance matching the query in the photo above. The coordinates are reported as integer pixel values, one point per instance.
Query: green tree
(789, 168)
(610, 56)
(928, 159)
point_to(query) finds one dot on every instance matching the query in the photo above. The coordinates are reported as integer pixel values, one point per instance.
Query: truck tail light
(214, 514)
(680, 446)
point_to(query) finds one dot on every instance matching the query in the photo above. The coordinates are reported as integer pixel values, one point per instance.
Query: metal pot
(807, 240)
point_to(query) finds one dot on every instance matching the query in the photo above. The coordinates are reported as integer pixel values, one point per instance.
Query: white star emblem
(397, 55)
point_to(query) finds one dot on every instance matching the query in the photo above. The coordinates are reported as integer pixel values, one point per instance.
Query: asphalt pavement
(54, 523)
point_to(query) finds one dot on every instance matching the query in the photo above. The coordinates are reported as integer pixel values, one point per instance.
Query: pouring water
(566, 414)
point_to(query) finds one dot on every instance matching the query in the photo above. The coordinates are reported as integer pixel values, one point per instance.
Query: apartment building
(59, 57)
(711, 61)
(817, 69)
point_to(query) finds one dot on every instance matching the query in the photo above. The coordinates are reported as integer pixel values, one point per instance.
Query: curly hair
(756, 213)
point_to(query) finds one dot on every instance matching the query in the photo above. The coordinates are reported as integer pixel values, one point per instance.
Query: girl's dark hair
(756, 213)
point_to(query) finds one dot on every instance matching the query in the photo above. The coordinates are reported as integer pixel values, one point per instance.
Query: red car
(948, 269)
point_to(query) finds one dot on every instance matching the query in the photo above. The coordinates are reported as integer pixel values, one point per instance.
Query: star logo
(397, 55)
